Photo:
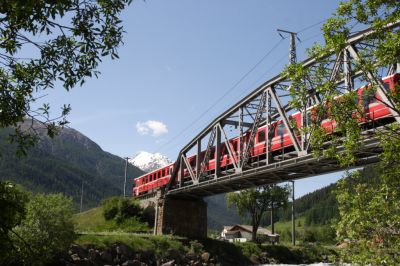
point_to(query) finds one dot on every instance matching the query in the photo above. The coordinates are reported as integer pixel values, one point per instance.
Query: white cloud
(156, 128)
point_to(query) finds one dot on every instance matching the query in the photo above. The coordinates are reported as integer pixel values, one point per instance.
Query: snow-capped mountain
(148, 162)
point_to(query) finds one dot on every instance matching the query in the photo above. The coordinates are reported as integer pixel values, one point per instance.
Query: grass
(159, 245)
(93, 221)
(304, 234)
(89, 220)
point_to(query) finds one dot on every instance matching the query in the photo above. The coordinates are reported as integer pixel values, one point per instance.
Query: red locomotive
(374, 108)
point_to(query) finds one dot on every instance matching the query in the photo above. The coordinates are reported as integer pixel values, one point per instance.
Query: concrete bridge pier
(181, 216)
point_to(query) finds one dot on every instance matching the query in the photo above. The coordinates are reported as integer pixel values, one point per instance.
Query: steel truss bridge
(265, 105)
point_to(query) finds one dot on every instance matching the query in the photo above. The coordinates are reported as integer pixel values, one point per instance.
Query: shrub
(110, 208)
(121, 208)
(46, 229)
(12, 205)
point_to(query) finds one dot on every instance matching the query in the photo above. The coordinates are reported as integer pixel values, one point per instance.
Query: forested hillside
(318, 207)
(218, 213)
(62, 163)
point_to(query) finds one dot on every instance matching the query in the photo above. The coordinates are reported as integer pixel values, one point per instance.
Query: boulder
(106, 256)
(75, 257)
(192, 256)
(176, 255)
(132, 263)
(169, 263)
(205, 256)
(80, 251)
(122, 249)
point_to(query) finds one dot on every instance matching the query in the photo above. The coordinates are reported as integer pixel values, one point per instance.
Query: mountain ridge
(61, 165)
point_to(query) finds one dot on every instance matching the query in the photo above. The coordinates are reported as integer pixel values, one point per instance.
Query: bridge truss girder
(267, 105)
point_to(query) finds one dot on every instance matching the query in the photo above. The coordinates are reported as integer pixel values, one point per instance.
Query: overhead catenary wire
(166, 144)
(262, 77)
(223, 95)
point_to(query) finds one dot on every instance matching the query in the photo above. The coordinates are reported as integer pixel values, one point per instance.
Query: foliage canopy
(368, 207)
(44, 44)
(255, 202)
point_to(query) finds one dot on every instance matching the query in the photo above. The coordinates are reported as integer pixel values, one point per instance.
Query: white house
(243, 233)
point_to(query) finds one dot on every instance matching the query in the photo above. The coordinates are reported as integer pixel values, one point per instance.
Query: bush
(46, 229)
(12, 205)
(110, 208)
(121, 208)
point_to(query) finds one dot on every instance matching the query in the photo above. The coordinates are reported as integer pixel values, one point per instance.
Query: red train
(374, 108)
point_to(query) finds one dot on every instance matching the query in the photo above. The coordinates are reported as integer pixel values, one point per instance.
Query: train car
(374, 112)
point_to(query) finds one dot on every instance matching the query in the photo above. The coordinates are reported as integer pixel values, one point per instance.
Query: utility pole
(81, 198)
(126, 169)
(292, 60)
(293, 218)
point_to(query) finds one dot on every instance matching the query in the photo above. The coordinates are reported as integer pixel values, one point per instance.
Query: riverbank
(122, 249)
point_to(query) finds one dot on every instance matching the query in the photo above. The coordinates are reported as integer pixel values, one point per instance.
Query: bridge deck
(285, 170)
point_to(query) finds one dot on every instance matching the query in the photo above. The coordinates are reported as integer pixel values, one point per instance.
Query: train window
(322, 114)
(212, 154)
(261, 136)
(234, 145)
(309, 118)
(170, 171)
(280, 131)
(368, 97)
(386, 85)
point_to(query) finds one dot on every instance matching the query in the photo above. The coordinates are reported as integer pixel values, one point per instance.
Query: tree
(12, 206)
(47, 43)
(255, 202)
(47, 229)
(369, 208)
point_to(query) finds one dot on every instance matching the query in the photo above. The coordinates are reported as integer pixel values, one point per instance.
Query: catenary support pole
(293, 218)
(126, 169)
(80, 210)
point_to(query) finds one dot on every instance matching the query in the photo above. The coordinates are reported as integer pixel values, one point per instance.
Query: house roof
(232, 232)
(249, 228)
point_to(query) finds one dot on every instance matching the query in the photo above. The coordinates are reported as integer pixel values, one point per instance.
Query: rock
(192, 256)
(106, 256)
(254, 259)
(95, 257)
(169, 263)
(92, 254)
(123, 249)
(146, 256)
(205, 256)
(132, 263)
(263, 257)
(176, 255)
(84, 262)
(80, 251)
(75, 257)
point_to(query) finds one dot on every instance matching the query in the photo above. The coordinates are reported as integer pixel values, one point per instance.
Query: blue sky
(178, 59)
